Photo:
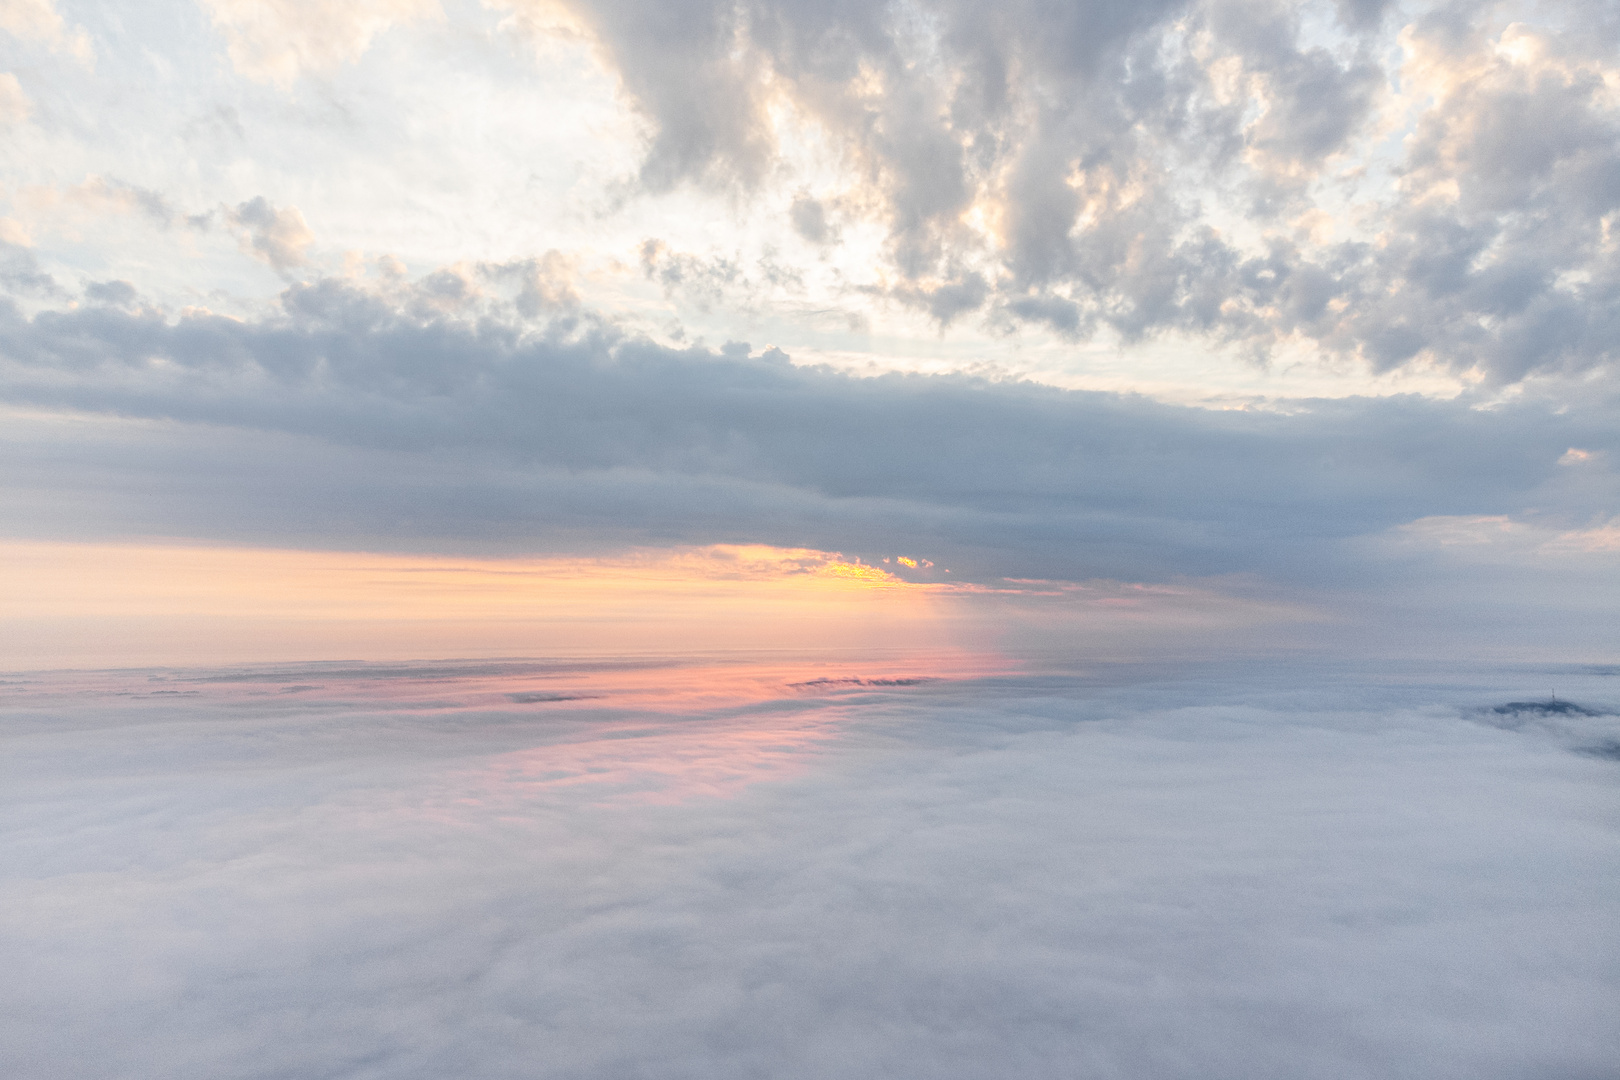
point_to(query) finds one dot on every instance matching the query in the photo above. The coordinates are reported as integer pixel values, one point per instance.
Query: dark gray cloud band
(346, 419)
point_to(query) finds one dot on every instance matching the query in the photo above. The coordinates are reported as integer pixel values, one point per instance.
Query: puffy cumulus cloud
(946, 300)
(278, 40)
(1501, 250)
(1246, 172)
(545, 284)
(279, 236)
(435, 413)
(805, 870)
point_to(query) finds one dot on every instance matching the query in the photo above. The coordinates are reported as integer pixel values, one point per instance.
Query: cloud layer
(1202, 168)
(1371, 187)
(486, 427)
(388, 872)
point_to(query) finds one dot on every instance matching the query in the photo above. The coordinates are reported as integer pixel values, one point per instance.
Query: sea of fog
(890, 867)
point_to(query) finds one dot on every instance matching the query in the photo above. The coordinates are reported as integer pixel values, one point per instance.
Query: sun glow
(75, 604)
(109, 605)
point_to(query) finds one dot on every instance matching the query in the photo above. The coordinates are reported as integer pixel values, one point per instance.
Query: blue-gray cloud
(387, 423)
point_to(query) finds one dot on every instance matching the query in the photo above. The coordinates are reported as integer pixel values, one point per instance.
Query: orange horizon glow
(88, 605)
(64, 578)
(72, 604)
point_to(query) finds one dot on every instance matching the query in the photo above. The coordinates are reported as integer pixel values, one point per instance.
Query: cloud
(947, 300)
(20, 272)
(277, 41)
(545, 284)
(1146, 166)
(1504, 538)
(279, 236)
(100, 196)
(704, 282)
(364, 419)
(809, 219)
(1426, 190)
(704, 870)
(113, 293)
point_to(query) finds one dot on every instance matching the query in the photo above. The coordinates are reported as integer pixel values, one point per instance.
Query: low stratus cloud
(670, 871)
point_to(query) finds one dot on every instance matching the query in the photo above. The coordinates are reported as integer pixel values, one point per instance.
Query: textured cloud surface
(1208, 168)
(1378, 188)
(662, 871)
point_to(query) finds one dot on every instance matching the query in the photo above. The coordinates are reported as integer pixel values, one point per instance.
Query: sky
(809, 539)
(1301, 313)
